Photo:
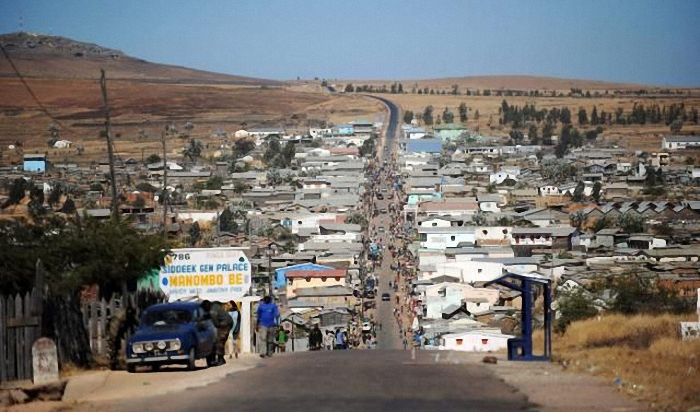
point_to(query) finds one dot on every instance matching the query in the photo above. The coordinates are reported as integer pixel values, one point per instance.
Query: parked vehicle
(172, 333)
(386, 297)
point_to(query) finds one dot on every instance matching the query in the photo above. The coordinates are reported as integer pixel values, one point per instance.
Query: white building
(470, 271)
(442, 238)
(680, 142)
(475, 341)
(62, 144)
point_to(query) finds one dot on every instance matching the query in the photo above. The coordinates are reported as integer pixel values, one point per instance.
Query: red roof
(330, 273)
(345, 150)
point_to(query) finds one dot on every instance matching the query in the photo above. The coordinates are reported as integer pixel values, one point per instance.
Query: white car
(366, 327)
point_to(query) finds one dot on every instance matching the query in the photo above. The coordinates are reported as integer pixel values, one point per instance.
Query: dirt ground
(513, 82)
(149, 106)
(638, 137)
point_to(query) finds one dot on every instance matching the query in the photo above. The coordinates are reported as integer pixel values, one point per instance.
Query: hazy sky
(654, 42)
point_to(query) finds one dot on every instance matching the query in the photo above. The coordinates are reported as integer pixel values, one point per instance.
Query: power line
(31, 92)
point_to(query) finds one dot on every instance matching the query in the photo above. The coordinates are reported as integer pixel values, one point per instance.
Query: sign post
(216, 274)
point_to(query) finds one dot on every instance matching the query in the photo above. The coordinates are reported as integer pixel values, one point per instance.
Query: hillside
(54, 57)
(144, 97)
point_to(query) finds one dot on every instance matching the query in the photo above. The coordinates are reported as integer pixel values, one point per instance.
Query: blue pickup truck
(172, 333)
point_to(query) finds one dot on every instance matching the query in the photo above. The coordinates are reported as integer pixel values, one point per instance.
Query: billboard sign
(216, 274)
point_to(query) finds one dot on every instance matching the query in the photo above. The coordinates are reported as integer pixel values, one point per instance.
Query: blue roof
(281, 273)
(424, 146)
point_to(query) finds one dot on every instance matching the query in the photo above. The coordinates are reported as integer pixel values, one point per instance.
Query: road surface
(353, 381)
(388, 337)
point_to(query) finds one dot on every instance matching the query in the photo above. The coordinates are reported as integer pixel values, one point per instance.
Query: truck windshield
(166, 317)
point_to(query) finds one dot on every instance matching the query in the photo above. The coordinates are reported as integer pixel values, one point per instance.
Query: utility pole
(110, 147)
(165, 186)
(269, 272)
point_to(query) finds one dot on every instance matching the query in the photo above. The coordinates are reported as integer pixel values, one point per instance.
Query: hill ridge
(58, 57)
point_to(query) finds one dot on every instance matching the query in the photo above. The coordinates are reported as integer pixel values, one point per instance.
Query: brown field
(505, 82)
(144, 97)
(640, 137)
(150, 106)
(644, 353)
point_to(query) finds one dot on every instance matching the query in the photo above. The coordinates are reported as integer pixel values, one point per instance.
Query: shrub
(574, 305)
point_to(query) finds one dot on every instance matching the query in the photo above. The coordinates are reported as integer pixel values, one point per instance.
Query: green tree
(195, 234)
(288, 153)
(676, 126)
(368, 148)
(55, 195)
(407, 116)
(146, 187)
(227, 222)
(240, 187)
(564, 141)
(582, 116)
(447, 116)
(274, 177)
(532, 134)
(577, 219)
(18, 190)
(357, 218)
(242, 147)
(154, 158)
(193, 150)
(428, 115)
(594, 116)
(214, 183)
(633, 295)
(597, 189)
(68, 206)
(565, 115)
(517, 136)
(274, 149)
(548, 132)
(579, 192)
(631, 223)
(36, 202)
(54, 135)
(463, 112)
(573, 305)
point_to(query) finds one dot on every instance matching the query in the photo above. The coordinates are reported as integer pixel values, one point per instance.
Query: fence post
(4, 367)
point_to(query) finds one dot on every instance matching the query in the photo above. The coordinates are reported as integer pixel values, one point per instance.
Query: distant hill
(55, 57)
(512, 82)
(63, 74)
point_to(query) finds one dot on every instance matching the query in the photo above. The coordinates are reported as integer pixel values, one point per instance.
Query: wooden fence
(20, 326)
(97, 315)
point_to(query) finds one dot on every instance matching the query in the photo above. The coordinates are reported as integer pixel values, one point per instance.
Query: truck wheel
(211, 359)
(190, 362)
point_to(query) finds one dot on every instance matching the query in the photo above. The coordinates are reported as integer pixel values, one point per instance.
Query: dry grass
(634, 137)
(149, 106)
(513, 82)
(643, 351)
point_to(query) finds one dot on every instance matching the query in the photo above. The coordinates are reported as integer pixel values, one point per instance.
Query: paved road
(388, 337)
(367, 380)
